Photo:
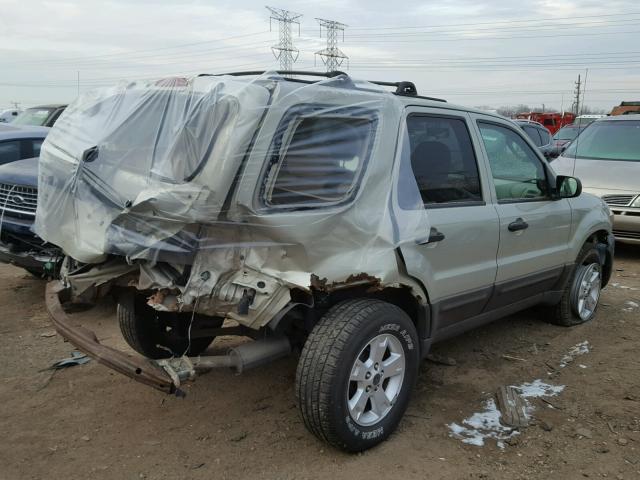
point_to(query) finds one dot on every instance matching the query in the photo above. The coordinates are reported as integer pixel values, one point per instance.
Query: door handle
(434, 236)
(518, 224)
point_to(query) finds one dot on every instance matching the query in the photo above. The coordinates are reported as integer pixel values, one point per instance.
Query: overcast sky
(494, 53)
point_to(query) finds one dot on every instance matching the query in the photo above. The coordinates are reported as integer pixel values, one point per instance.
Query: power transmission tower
(284, 51)
(332, 56)
(576, 92)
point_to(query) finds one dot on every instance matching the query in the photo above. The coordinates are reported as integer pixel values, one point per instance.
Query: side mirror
(568, 187)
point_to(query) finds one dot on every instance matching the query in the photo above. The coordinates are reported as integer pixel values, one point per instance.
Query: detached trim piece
(139, 369)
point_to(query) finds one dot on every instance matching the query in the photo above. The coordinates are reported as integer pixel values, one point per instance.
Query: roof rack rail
(404, 88)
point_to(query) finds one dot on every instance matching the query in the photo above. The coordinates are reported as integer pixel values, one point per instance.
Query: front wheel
(356, 373)
(582, 292)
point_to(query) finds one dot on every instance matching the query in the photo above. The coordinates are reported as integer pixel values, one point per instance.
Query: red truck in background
(552, 121)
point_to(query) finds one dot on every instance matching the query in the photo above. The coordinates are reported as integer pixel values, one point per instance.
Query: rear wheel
(582, 292)
(161, 334)
(356, 373)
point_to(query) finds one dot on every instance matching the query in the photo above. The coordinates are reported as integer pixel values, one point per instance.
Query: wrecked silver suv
(331, 216)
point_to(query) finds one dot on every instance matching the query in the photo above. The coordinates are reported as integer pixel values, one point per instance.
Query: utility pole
(284, 51)
(15, 105)
(576, 92)
(332, 56)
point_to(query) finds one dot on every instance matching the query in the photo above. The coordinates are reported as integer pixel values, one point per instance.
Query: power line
(332, 56)
(536, 20)
(287, 54)
(505, 29)
(121, 54)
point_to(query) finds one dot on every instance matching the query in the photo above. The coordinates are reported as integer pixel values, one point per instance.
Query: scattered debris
(48, 334)
(623, 441)
(623, 287)
(441, 360)
(240, 437)
(577, 350)
(630, 306)
(481, 426)
(513, 407)
(583, 432)
(76, 358)
(512, 358)
(85, 438)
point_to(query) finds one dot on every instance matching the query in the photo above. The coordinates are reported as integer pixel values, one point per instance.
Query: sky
(475, 53)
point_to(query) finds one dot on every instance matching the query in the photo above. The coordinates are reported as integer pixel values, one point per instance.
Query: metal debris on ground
(76, 358)
(577, 350)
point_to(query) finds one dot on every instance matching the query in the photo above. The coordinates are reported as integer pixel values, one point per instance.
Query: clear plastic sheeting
(202, 182)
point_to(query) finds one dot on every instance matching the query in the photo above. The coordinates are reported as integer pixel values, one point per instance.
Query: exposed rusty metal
(357, 280)
(85, 340)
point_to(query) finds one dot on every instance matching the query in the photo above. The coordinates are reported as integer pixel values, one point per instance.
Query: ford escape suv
(329, 216)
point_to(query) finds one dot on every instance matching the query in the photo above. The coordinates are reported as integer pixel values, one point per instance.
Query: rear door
(456, 257)
(534, 229)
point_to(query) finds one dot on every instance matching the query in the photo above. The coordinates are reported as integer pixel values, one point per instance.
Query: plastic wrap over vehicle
(194, 181)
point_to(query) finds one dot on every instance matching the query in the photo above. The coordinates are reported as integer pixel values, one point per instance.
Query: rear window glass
(319, 161)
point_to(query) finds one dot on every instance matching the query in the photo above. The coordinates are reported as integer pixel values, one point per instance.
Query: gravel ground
(89, 422)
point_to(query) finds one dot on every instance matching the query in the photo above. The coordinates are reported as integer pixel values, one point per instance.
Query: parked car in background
(540, 136)
(584, 120)
(626, 108)
(18, 200)
(17, 142)
(563, 137)
(606, 158)
(8, 115)
(552, 121)
(43, 116)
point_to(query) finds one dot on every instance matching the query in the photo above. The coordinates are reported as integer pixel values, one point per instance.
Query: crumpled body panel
(202, 182)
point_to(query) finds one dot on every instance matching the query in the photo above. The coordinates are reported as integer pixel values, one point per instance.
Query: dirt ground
(89, 422)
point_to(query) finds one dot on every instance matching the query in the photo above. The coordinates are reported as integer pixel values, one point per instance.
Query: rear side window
(545, 136)
(36, 145)
(318, 160)
(442, 160)
(9, 151)
(533, 134)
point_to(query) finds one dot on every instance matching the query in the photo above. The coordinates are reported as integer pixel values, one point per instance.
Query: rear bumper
(139, 369)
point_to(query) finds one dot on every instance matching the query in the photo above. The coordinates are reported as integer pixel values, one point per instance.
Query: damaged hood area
(210, 184)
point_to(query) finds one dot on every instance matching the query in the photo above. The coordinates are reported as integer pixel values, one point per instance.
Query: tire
(324, 391)
(567, 312)
(145, 329)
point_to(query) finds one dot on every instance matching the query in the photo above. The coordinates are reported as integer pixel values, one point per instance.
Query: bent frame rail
(139, 369)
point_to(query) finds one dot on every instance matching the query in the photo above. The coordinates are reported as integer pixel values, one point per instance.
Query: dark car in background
(42, 116)
(17, 143)
(18, 200)
(567, 134)
(540, 136)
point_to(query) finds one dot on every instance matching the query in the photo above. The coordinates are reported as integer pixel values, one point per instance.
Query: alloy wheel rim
(588, 291)
(375, 379)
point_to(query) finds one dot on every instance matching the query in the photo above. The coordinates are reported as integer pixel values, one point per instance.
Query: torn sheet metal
(202, 184)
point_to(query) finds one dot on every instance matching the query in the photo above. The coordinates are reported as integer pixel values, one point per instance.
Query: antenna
(332, 56)
(284, 51)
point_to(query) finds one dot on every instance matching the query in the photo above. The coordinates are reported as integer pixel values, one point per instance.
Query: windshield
(566, 133)
(33, 116)
(608, 140)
